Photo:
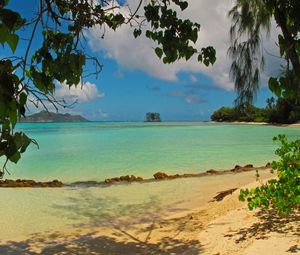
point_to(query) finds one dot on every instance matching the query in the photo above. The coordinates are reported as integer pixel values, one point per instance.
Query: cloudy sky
(134, 81)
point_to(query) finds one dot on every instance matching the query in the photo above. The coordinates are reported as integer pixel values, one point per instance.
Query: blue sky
(133, 81)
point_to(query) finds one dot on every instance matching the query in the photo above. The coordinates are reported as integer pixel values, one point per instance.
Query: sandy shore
(215, 228)
(296, 125)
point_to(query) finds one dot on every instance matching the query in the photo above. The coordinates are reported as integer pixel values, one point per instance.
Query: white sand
(214, 228)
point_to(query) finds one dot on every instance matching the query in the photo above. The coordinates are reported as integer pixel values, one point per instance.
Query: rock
(268, 165)
(138, 179)
(108, 181)
(223, 194)
(30, 184)
(212, 171)
(160, 176)
(125, 178)
(238, 169)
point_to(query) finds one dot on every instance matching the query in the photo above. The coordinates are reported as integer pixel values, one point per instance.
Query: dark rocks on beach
(29, 184)
(223, 194)
(268, 165)
(245, 168)
(212, 171)
(160, 176)
(126, 178)
(164, 176)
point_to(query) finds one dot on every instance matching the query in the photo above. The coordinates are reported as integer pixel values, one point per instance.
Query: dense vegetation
(247, 114)
(283, 111)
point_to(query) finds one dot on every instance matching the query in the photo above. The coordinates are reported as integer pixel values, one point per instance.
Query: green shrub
(282, 193)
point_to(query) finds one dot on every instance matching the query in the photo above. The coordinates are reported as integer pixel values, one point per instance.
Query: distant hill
(45, 116)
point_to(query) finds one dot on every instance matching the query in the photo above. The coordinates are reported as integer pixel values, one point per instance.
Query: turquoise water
(98, 150)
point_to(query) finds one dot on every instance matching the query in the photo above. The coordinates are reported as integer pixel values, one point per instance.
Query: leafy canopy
(32, 76)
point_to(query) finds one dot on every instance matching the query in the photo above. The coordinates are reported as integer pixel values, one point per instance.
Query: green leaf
(23, 98)
(274, 86)
(183, 5)
(12, 40)
(159, 52)
(166, 60)
(3, 3)
(200, 58)
(137, 32)
(4, 33)
(15, 158)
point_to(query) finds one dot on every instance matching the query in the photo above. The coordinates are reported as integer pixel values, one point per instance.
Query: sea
(98, 150)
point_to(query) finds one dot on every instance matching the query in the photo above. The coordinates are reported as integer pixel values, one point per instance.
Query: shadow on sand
(90, 245)
(270, 222)
(132, 230)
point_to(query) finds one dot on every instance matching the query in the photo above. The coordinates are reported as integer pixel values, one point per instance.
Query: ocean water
(98, 150)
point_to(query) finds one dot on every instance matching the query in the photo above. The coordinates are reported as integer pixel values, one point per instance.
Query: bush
(282, 193)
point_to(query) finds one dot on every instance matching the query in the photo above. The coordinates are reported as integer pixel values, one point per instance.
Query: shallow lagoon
(98, 150)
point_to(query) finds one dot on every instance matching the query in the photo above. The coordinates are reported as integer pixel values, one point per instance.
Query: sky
(134, 81)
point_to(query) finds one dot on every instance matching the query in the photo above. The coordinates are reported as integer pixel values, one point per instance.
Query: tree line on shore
(280, 111)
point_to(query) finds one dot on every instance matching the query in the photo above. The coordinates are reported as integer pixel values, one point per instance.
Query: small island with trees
(153, 117)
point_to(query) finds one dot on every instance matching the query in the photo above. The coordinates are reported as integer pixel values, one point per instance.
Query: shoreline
(294, 125)
(126, 179)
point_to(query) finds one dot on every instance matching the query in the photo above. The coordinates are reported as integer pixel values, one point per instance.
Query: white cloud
(81, 93)
(102, 114)
(188, 97)
(138, 54)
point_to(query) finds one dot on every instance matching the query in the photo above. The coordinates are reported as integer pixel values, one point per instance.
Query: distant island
(45, 116)
(153, 117)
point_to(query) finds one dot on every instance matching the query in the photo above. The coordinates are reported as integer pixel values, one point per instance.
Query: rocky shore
(158, 176)
(30, 184)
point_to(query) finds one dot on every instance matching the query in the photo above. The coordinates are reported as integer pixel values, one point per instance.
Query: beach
(192, 224)
(171, 216)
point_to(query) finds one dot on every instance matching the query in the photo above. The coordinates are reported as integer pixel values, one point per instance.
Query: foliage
(153, 117)
(284, 111)
(282, 193)
(249, 18)
(280, 111)
(247, 113)
(32, 76)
